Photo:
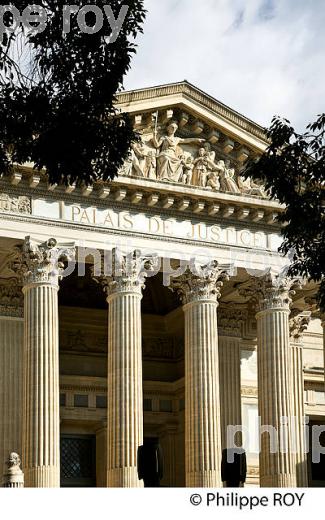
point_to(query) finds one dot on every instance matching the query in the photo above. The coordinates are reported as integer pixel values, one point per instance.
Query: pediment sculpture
(189, 161)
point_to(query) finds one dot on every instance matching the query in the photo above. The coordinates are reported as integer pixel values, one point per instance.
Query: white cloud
(261, 57)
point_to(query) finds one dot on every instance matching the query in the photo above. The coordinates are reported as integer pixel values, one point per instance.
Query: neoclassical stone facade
(156, 308)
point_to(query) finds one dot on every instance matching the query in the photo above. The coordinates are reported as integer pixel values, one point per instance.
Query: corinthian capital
(11, 297)
(200, 284)
(125, 273)
(270, 291)
(298, 325)
(38, 263)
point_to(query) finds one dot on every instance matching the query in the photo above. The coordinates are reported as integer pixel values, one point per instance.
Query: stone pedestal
(11, 368)
(41, 265)
(272, 297)
(124, 383)
(199, 293)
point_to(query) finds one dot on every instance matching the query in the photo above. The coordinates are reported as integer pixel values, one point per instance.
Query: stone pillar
(199, 291)
(41, 265)
(229, 329)
(322, 317)
(272, 295)
(11, 368)
(124, 393)
(13, 476)
(298, 324)
(313, 306)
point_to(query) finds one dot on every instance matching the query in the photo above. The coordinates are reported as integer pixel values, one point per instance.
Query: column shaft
(202, 399)
(275, 390)
(125, 409)
(230, 387)
(298, 412)
(323, 325)
(11, 375)
(41, 419)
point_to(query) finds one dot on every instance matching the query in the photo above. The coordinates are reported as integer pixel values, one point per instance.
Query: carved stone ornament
(270, 291)
(77, 340)
(13, 477)
(164, 347)
(200, 284)
(14, 462)
(12, 204)
(125, 272)
(298, 325)
(163, 155)
(38, 263)
(11, 298)
(230, 320)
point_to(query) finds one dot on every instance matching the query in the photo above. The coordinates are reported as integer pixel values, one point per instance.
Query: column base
(204, 479)
(278, 481)
(124, 478)
(42, 477)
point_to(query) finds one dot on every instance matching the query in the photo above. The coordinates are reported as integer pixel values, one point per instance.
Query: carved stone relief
(11, 298)
(80, 341)
(163, 155)
(15, 204)
(165, 347)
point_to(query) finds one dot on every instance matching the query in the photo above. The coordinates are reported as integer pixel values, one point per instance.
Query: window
(78, 461)
(62, 400)
(81, 401)
(166, 405)
(147, 405)
(101, 401)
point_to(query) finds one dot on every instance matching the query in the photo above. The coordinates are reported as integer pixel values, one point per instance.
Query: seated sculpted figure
(134, 163)
(249, 187)
(213, 181)
(227, 177)
(169, 163)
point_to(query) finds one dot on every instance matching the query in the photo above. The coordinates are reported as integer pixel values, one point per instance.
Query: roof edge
(187, 88)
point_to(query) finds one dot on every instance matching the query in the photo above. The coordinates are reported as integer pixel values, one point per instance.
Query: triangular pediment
(188, 137)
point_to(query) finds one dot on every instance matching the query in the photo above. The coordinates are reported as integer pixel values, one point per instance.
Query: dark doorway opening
(316, 470)
(78, 460)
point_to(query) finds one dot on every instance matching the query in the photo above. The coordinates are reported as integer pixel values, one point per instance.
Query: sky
(260, 57)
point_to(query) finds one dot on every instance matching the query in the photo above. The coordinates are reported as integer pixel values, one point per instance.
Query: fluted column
(323, 325)
(318, 313)
(199, 292)
(124, 394)
(298, 324)
(229, 322)
(11, 368)
(41, 266)
(273, 298)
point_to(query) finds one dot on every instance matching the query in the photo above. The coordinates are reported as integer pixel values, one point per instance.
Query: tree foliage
(57, 95)
(293, 171)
